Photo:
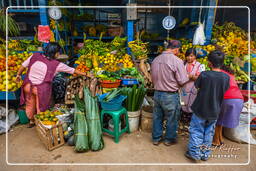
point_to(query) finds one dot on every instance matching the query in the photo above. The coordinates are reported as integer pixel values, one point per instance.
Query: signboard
(169, 22)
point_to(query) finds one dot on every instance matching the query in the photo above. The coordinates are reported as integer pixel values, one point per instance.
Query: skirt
(230, 112)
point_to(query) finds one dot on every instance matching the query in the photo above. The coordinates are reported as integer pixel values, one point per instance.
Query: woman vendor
(189, 92)
(37, 86)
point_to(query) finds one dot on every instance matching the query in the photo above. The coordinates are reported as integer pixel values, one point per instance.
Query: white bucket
(134, 120)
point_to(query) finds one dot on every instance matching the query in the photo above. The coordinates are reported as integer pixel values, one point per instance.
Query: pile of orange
(82, 67)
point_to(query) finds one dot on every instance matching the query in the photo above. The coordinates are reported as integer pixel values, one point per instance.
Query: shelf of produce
(11, 95)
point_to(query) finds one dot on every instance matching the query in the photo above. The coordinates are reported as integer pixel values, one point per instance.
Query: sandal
(31, 124)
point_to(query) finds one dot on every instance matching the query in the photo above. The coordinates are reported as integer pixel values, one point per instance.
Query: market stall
(116, 51)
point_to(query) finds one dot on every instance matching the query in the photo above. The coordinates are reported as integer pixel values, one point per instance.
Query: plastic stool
(116, 120)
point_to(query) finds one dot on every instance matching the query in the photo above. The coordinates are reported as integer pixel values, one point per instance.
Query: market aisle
(25, 146)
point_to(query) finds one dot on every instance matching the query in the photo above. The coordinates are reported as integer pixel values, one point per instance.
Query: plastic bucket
(23, 117)
(134, 120)
(146, 118)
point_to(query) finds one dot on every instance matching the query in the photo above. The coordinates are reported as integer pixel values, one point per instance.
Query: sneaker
(204, 158)
(190, 157)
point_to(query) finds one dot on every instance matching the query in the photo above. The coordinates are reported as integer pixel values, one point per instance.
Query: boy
(211, 87)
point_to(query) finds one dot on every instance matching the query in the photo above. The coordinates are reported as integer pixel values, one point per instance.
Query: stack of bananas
(139, 49)
(239, 74)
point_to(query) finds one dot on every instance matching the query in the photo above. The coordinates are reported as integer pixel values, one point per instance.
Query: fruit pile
(105, 56)
(126, 61)
(48, 117)
(24, 45)
(139, 49)
(14, 62)
(10, 82)
(15, 59)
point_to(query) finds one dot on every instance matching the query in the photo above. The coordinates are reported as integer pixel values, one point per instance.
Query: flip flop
(31, 125)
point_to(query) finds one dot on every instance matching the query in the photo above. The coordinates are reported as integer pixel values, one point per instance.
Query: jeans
(166, 106)
(201, 134)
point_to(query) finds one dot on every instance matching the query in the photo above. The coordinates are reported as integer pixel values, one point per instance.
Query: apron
(188, 91)
(44, 89)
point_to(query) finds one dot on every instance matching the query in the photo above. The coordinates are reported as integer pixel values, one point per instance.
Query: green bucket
(23, 117)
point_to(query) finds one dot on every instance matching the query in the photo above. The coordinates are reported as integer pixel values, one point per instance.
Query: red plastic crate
(246, 97)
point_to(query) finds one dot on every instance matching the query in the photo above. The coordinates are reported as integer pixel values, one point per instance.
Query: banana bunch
(232, 39)
(233, 45)
(118, 41)
(139, 49)
(14, 44)
(53, 24)
(239, 74)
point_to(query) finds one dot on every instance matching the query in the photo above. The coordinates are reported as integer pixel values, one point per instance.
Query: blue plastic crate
(114, 104)
(129, 81)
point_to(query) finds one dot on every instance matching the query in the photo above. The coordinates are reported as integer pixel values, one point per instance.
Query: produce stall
(116, 53)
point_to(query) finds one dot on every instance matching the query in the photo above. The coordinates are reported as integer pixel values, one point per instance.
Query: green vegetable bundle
(135, 97)
(113, 94)
(80, 127)
(92, 115)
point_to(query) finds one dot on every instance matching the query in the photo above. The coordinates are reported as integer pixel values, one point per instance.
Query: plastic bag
(92, 115)
(241, 134)
(44, 33)
(80, 127)
(199, 36)
(12, 119)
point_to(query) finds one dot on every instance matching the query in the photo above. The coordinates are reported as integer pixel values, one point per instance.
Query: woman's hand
(18, 78)
(192, 77)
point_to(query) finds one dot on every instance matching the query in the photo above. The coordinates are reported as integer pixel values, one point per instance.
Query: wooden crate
(53, 137)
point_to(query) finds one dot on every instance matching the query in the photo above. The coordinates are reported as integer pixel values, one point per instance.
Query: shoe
(167, 143)
(204, 158)
(190, 157)
(156, 143)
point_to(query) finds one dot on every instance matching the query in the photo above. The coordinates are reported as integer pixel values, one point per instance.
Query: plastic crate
(129, 81)
(114, 104)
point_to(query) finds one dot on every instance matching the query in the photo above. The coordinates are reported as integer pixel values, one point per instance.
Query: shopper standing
(206, 108)
(231, 108)
(168, 75)
(36, 89)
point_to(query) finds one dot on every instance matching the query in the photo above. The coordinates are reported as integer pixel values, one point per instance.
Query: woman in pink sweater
(36, 89)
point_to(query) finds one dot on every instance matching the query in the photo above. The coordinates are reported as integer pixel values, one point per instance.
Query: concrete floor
(135, 148)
